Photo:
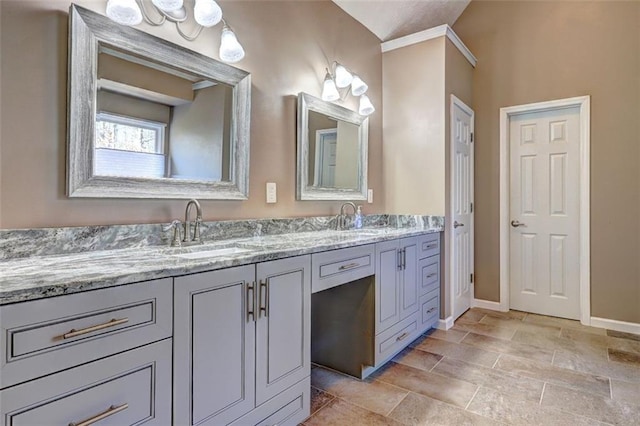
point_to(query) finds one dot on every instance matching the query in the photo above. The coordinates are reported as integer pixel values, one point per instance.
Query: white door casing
(462, 182)
(544, 156)
(325, 164)
(545, 222)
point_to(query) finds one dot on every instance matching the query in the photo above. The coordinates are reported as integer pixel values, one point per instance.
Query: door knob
(457, 225)
(515, 223)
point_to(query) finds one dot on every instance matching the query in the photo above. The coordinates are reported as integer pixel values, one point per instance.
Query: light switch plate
(370, 196)
(271, 192)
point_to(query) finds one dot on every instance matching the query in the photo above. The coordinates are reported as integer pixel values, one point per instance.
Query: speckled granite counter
(48, 272)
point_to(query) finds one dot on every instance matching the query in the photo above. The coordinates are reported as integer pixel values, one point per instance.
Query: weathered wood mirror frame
(87, 32)
(305, 191)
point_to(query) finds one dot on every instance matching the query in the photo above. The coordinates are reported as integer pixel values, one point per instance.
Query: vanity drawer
(393, 340)
(133, 387)
(430, 309)
(429, 274)
(336, 267)
(44, 336)
(428, 245)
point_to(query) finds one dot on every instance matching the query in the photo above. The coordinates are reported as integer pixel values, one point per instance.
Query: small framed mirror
(150, 119)
(332, 151)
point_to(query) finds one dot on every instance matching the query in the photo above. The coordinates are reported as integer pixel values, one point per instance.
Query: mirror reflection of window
(153, 121)
(128, 146)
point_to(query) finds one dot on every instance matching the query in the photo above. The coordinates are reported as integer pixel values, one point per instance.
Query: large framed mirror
(332, 151)
(150, 119)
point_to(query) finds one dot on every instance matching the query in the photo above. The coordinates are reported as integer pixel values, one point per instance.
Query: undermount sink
(212, 253)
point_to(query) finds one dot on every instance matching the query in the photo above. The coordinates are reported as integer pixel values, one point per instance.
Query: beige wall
(537, 51)
(414, 168)
(288, 45)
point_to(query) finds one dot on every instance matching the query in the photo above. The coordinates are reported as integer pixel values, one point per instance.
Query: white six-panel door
(544, 212)
(462, 209)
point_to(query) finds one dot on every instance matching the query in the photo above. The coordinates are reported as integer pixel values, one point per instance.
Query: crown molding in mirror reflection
(92, 34)
(338, 169)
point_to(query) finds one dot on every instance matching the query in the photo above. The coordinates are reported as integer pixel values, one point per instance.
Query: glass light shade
(124, 12)
(366, 107)
(329, 89)
(343, 77)
(230, 49)
(358, 87)
(207, 13)
(167, 5)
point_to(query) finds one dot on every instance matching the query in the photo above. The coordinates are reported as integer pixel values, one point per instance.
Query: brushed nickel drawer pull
(431, 310)
(402, 336)
(349, 266)
(110, 412)
(251, 300)
(74, 333)
(264, 308)
(433, 274)
(431, 246)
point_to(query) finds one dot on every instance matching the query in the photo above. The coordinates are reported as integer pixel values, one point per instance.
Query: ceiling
(390, 19)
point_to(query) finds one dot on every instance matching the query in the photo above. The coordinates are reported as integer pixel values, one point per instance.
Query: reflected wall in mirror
(332, 151)
(166, 122)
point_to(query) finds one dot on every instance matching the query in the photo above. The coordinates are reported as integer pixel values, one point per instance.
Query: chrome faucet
(341, 218)
(187, 238)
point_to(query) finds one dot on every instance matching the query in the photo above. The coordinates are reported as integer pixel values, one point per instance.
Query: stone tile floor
(493, 368)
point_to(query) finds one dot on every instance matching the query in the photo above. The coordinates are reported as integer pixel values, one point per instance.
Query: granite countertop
(41, 276)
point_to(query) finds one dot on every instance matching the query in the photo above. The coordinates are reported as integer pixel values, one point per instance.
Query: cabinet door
(214, 347)
(388, 264)
(283, 336)
(409, 290)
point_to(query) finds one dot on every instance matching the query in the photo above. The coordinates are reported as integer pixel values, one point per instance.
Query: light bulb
(358, 87)
(230, 49)
(343, 77)
(167, 5)
(366, 107)
(124, 12)
(207, 13)
(329, 89)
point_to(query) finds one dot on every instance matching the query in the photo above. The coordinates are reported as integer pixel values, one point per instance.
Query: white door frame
(583, 102)
(455, 101)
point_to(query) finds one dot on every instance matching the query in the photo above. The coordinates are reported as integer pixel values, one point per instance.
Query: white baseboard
(487, 304)
(445, 324)
(627, 327)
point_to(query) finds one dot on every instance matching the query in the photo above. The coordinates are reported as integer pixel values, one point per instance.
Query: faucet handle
(175, 225)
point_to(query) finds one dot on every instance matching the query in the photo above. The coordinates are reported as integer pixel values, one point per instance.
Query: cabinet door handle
(349, 266)
(402, 336)
(109, 412)
(404, 258)
(74, 333)
(431, 310)
(399, 254)
(433, 274)
(251, 300)
(264, 308)
(431, 246)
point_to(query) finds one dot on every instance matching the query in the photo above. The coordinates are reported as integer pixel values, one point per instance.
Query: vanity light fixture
(206, 13)
(329, 89)
(343, 78)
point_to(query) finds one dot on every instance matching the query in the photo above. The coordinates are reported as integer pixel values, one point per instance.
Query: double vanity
(220, 333)
(200, 323)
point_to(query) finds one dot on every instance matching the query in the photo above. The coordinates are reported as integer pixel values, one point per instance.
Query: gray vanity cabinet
(214, 346)
(397, 294)
(283, 323)
(241, 342)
